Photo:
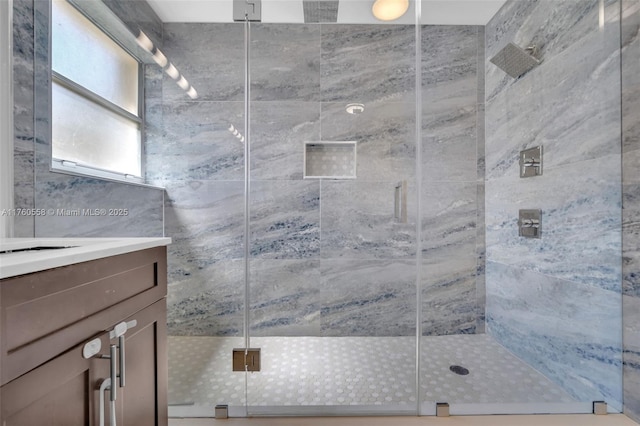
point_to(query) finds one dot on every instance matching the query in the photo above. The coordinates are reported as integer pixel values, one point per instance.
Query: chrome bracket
(246, 359)
(442, 409)
(247, 10)
(222, 412)
(599, 408)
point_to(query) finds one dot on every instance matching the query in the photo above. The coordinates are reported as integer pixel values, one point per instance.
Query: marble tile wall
(202, 166)
(327, 257)
(452, 177)
(23, 116)
(631, 205)
(560, 294)
(35, 185)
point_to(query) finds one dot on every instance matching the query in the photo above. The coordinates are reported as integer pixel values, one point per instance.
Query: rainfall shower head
(514, 60)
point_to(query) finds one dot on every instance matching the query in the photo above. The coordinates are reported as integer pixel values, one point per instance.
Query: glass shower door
(332, 218)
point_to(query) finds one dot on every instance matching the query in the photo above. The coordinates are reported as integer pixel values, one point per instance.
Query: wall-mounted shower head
(514, 60)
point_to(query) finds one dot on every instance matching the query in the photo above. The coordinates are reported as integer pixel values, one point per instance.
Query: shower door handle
(400, 201)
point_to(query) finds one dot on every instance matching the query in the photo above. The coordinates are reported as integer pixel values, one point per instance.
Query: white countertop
(14, 263)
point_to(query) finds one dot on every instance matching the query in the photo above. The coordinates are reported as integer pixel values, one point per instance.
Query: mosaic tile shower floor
(353, 371)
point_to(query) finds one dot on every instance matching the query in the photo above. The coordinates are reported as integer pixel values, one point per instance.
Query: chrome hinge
(247, 10)
(246, 359)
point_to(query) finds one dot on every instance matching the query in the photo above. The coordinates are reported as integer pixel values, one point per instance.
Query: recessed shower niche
(332, 160)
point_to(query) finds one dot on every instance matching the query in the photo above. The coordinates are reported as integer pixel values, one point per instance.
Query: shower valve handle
(530, 223)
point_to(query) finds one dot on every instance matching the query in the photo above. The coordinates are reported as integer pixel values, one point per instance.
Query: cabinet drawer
(45, 313)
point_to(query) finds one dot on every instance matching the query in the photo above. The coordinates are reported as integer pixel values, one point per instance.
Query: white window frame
(88, 170)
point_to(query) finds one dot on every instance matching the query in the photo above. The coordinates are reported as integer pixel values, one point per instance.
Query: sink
(34, 248)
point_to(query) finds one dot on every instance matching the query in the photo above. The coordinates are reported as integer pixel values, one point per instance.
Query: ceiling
(434, 12)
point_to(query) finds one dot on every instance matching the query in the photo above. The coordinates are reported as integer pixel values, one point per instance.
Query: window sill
(57, 166)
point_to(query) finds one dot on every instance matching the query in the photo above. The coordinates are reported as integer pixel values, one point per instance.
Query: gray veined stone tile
(449, 212)
(210, 56)
(631, 383)
(631, 356)
(285, 297)
(144, 215)
(205, 219)
(23, 165)
(449, 103)
(358, 221)
(23, 72)
(630, 161)
(481, 302)
(631, 240)
(480, 259)
(631, 205)
(480, 142)
(23, 192)
(23, 30)
(197, 143)
(449, 53)
(209, 301)
(368, 297)
(449, 304)
(362, 63)
(278, 133)
(481, 58)
(285, 62)
(506, 22)
(581, 223)
(631, 91)
(449, 147)
(23, 101)
(385, 136)
(285, 219)
(631, 326)
(570, 339)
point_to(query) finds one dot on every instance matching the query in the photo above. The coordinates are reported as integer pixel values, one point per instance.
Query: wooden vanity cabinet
(46, 318)
(145, 390)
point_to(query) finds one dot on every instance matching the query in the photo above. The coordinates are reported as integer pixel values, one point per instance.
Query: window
(96, 118)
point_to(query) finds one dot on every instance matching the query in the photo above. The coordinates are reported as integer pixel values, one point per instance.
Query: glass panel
(333, 269)
(86, 55)
(200, 161)
(89, 134)
(536, 327)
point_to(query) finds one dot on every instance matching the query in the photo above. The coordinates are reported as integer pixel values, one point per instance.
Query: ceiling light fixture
(388, 10)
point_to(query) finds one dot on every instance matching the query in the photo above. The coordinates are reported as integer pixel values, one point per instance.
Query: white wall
(6, 117)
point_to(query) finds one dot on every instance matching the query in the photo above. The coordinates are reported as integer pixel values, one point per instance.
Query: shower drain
(459, 370)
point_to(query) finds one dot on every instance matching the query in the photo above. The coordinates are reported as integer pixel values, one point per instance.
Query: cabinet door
(61, 392)
(143, 399)
(65, 390)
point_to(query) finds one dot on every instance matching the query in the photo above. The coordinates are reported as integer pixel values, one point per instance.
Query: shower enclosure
(344, 195)
(374, 203)
(332, 233)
